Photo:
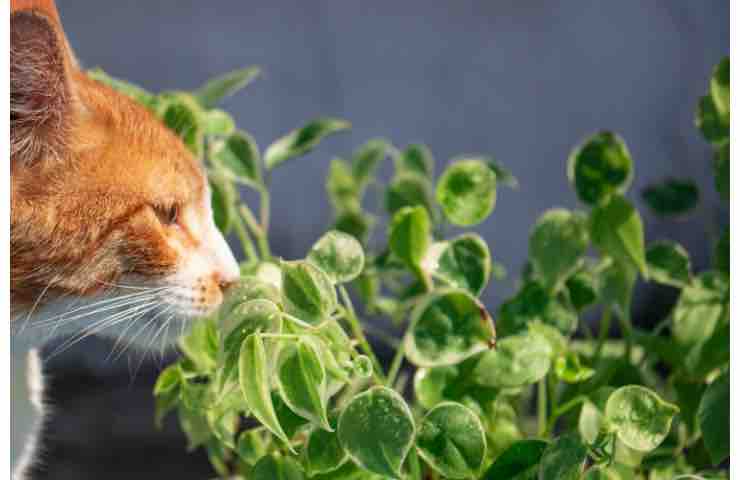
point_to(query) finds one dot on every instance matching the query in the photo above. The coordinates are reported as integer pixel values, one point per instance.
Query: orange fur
(90, 169)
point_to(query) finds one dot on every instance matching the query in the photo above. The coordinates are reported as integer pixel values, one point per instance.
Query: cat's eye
(168, 215)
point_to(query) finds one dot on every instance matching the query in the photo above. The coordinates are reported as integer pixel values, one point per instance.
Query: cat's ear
(41, 96)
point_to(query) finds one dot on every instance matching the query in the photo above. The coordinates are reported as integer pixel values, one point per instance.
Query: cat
(111, 230)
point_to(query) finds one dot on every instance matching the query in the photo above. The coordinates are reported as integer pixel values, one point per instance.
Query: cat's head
(110, 213)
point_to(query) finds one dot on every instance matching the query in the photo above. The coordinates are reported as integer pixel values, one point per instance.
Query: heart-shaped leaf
(467, 191)
(339, 255)
(254, 379)
(616, 229)
(302, 382)
(600, 167)
(640, 417)
(448, 327)
(557, 244)
(303, 140)
(451, 440)
(377, 429)
(308, 293)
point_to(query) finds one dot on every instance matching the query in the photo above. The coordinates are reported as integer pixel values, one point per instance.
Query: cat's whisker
(102, 325)
(136, 335)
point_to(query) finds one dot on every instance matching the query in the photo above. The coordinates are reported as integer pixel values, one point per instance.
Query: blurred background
(521, 80)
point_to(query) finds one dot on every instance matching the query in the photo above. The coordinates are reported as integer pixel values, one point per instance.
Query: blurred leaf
(410, 234)
(721, 165)
(218, 123)
(519, 462)
(617, 284)
(531, 304)
(557, 244)
(719, 87)
(324, 453)
(377, 430)
(184, 118)
(518, 360)
(408, 190)
(218, 88)
(339, 255)
(583, 289)
(600, 167)
(700, 308)
(342, 187)
(127, 88)
(669, 263)
(569, 369)
(503, 175)
(721, 257)
(672, 196)
(465, 262)
(223, 198)
(301, 141)
(563, 459)
(274, 467)
(616, 230)
(467, 191)
(451, 440)
(240, 156)
(418, 159)
(201, 345)
(367, 158)
(302, 382)
(446, 328)
(640, 417)
(714, 127)
(355, 223)
(714, 415)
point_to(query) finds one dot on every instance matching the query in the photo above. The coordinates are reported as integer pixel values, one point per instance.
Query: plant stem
(604, 326)
(541, 407)
(257, 231)
(265, 210)
(626, 325)
(357, 331)
(395, 365)
(414, 465)
(245, 239)
(562, 410)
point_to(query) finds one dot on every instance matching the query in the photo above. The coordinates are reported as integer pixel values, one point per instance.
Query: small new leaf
(216, 89)
(303, 140)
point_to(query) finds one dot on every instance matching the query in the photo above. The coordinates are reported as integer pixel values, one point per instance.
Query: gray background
(522, 80)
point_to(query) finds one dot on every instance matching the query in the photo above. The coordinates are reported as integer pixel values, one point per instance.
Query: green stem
(562, 410)
(357, 331)
(541, 407)
(265, 210)
(257, 231)
(626, 325)
(395, 365)
(604, 326)
(415, 467)
(245, 239)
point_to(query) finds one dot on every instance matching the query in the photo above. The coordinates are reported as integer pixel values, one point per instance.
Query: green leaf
(640, 417)
(563, 459)
(672, 196)
(194, 425)
(569, 369)
(447, 327)
(339, 255)
(218, 123)
(324, 453)
(355, 223)
(519, 462)
(301, 141)
(721, 257)
(557, 244)
(289, 421)
(714, 126)
(127, 88)
(532, 304)
(254, 379)
(719, 87)
(302, 382)
(408, 190)
(617, 283)
(308, 292)
(216, 89)
(223, 198)
(600, 167)
(200, 345)
(418, 159)
(721, 166)
(377, 430)
(467, 192)
(430, 384)
(249, 446)
(465, 262)
(409, 235)
(367, 158)
(591, 418)
(168, 381)
(583, 289)
(616, 229)
(240, 157)
(451, 440)
(700, 308)
(183, 117)
(274, 467)
(714, 418)
(503, 175)
(669, 263)
(518, 360)
(342, 187)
